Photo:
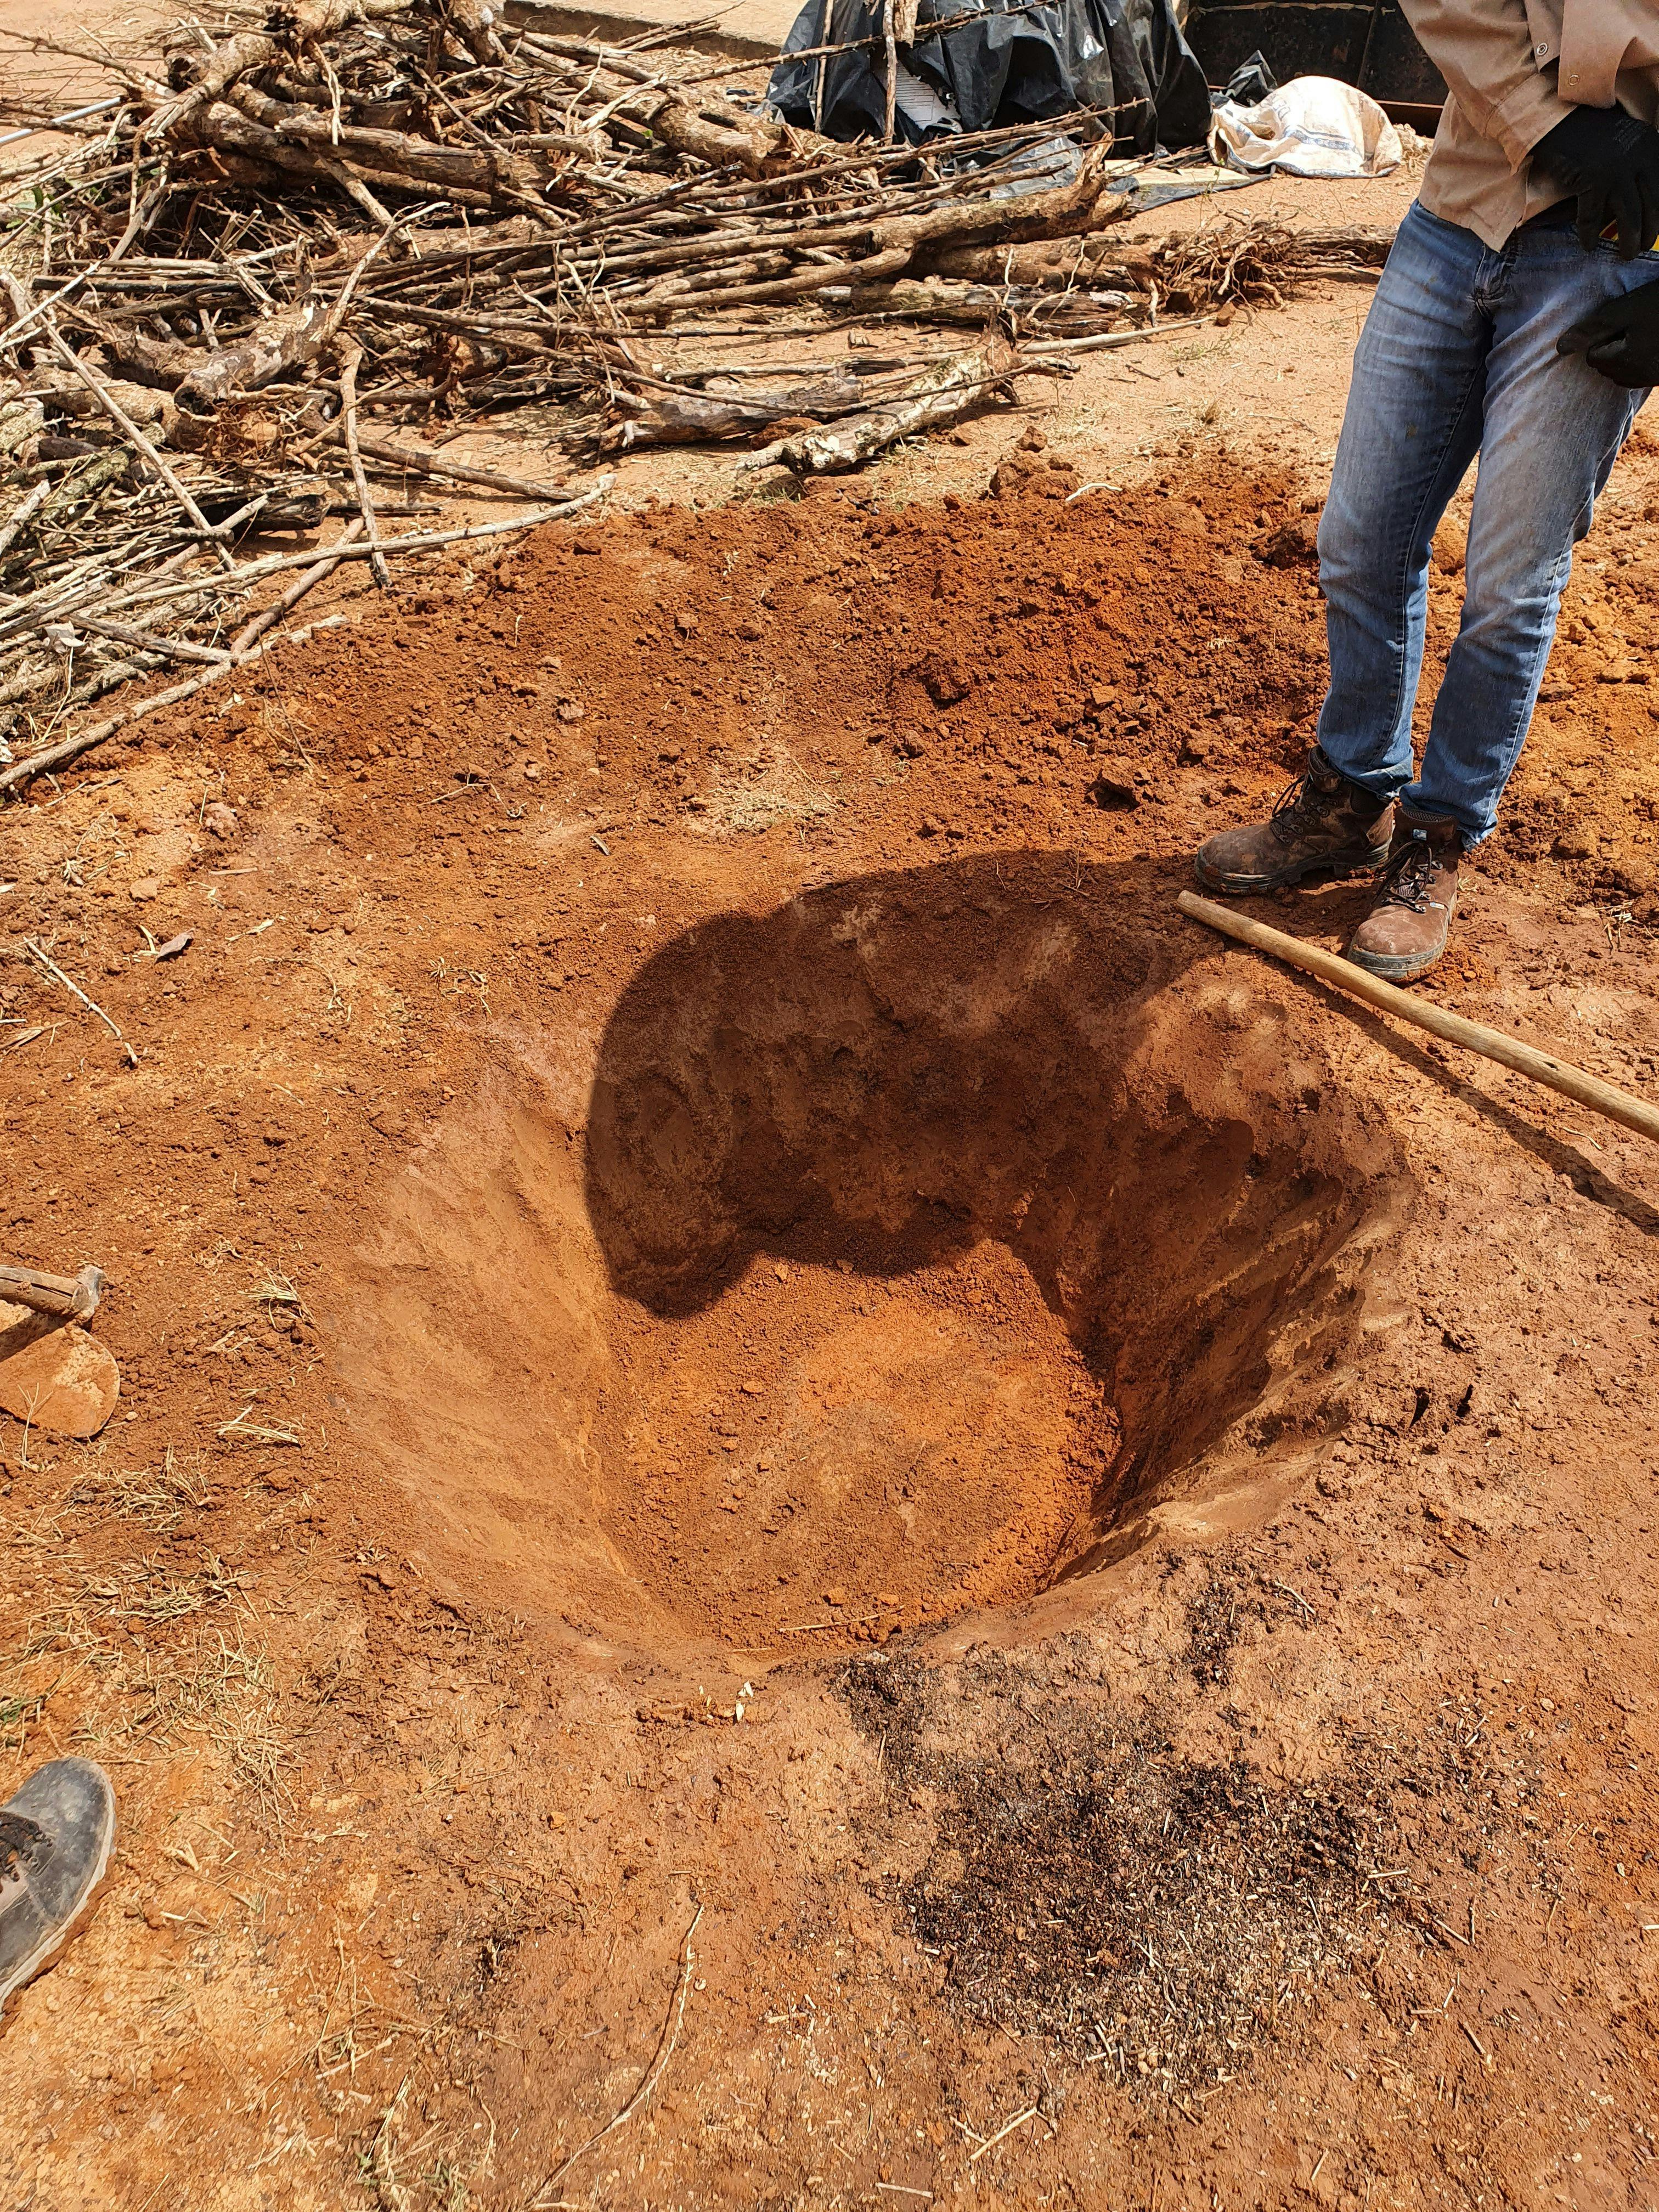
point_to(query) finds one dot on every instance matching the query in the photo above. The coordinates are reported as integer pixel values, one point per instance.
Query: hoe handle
(1492, 1044)
(73, 1297)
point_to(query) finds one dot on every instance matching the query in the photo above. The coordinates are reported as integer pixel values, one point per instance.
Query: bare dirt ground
(808, 1508)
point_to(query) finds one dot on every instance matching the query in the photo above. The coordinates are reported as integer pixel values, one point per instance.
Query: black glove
(1621, 339)
(1610, 162)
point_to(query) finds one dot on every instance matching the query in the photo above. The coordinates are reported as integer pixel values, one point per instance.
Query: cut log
(686, 418)
(949, 390)
(282, 342)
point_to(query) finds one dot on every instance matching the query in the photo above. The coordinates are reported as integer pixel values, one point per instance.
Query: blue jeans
(1457, 358)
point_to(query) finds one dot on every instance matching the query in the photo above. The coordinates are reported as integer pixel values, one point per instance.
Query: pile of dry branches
(277, 251)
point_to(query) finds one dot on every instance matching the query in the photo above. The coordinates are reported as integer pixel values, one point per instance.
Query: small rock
(835, 1597)
(145, 887)
(219, 820)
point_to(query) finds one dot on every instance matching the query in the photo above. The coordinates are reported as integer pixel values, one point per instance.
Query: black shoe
(56, 1836)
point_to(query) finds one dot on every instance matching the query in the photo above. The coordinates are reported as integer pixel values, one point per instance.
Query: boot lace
(22, 1842)
(1408, 876)
(1297, 807)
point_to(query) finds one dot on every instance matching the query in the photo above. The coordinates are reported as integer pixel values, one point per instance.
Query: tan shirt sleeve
(1500, 77)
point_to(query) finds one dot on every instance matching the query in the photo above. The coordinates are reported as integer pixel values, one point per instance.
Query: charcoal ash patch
(1147, 1911)
(1156, 1914)
(888, 1699)
(1234, 1599)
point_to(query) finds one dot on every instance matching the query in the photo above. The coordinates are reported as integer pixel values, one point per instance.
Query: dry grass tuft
(278, 1290)
(770, 790)
(156, 1498)
(222, 1690)
(239, 1430)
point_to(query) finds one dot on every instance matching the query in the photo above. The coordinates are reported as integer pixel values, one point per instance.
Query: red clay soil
(794, 1472)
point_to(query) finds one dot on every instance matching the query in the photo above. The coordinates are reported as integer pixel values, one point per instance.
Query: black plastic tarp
(1370, 46)
(1010, 64)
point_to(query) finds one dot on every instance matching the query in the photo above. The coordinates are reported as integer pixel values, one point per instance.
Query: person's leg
(1410, 429)
(1554, 428)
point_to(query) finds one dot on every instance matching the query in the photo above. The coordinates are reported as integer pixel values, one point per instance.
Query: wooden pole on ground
(1492, 1044)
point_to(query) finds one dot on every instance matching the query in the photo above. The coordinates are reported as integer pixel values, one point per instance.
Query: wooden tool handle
(1492, 1044)
(73, 1297)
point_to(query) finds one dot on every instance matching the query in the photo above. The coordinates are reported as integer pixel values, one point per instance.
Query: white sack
(1313, 126)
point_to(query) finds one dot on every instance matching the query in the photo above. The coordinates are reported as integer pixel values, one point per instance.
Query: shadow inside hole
(890, 1073)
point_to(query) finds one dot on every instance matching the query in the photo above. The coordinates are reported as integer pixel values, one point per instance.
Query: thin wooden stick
(269, 616)
(146, 641)
(1058, 351)
(1006, 2128)
(351, 360)
(75, 992)
(889, 69)
(1574, 1083)
(24, 515)
(669, 2037)
(134, 437)
(430, 464)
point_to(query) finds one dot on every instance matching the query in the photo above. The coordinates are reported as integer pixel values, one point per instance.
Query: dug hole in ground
(809, 1507)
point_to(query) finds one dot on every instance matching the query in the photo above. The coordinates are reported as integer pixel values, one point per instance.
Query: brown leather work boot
(1322, 825)
(1406, 930)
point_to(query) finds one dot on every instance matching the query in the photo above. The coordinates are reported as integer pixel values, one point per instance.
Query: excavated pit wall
(921, 1246)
